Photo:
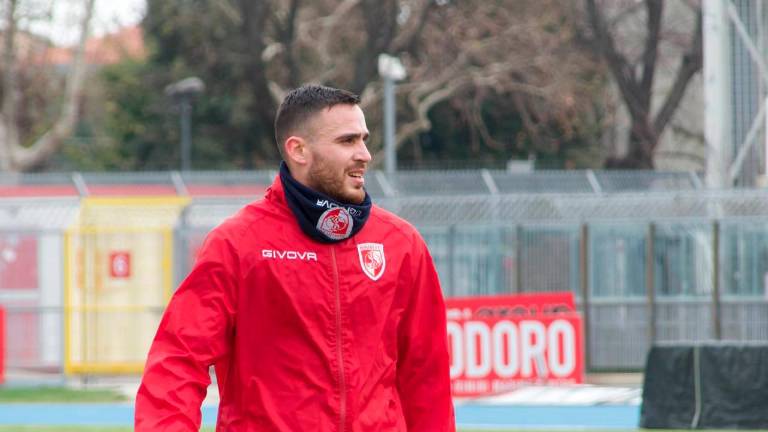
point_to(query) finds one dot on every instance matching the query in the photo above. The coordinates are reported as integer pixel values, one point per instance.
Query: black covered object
(707, 386)
(734, 387)
(668, 397)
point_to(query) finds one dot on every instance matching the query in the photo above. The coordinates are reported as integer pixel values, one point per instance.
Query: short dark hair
(304, 102)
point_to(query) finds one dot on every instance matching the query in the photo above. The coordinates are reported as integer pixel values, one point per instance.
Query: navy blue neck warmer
(320, 216)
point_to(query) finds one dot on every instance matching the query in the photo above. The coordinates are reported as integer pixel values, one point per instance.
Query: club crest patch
(335, 223)
(372, 259)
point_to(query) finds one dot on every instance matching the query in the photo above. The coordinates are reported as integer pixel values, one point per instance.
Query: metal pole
(390, 160)
(650, 283)
(717, 101)
(761, 49)
(186, 134)
(518, 259)
(717, 325)
(585, 307)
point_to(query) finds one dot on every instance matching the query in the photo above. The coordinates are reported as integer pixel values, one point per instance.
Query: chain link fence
(31, 280)
(658, 265)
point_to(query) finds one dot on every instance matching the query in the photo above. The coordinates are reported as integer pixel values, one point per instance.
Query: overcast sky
(108, 16)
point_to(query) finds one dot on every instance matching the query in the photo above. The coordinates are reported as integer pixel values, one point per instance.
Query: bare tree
(460, 54)
(635, 77)
(460, 51)
(14, 155)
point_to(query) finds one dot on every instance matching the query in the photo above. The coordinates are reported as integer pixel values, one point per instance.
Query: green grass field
(58, 395)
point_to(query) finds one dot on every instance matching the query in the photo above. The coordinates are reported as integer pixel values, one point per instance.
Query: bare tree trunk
(380, 17)
(262, 106)
(20, 158)
(287, 36)
(642, 145)
(637, 92)
(9, 134)
(643, 142)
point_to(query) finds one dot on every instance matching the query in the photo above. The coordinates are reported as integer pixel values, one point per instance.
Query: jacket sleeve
(195, 332)
(423, 365)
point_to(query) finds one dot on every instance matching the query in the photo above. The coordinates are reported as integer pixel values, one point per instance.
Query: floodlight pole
(185, 123)
(390, 70)
(717, 90)
(390, 154)
(183, 93)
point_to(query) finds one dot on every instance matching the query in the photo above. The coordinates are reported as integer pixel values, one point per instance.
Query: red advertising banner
(501, 343)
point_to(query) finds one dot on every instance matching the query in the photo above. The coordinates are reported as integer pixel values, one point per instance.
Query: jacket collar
(276, 194)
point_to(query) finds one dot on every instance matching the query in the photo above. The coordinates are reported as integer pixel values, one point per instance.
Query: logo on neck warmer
(328, 204)
(335, 223)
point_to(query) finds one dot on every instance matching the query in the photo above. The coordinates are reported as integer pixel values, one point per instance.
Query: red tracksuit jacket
(304, 336)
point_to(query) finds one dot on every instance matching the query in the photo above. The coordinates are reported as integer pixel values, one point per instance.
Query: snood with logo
(320, 216)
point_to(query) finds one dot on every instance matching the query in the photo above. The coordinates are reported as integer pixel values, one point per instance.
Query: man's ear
(296, 150)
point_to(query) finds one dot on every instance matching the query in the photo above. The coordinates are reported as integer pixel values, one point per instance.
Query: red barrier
(500, 343)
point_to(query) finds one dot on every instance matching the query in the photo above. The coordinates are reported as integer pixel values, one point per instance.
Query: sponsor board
(501, 343)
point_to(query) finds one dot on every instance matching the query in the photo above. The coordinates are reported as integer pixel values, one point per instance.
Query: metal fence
(636, 282)
(659, 265)
(378, 183)
(31, 280)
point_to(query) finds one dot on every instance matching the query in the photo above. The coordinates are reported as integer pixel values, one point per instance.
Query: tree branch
(422, 108)
(25, 158)
(689, 66)
(476, 111)
(620, 68)
(11, 95)
(259, 103)
(322, 43)
(380, 19)
(654, 11)
(428, 94)
(407, 39)
(528, 124)
(696, 158)
(229, 11)
(286, 33)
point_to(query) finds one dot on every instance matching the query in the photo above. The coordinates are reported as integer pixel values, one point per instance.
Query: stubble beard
(325, 179)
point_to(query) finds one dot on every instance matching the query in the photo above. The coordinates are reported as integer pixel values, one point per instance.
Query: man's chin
(348, 196)
(354, 196)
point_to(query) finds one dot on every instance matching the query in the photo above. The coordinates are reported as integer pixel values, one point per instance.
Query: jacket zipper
(339, 351)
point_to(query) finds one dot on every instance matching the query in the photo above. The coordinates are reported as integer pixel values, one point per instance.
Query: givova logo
(288, 255)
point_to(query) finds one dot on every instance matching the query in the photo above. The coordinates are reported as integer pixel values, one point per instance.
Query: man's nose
(362, 154)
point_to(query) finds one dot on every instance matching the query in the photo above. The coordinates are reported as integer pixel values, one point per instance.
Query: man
(319, 311)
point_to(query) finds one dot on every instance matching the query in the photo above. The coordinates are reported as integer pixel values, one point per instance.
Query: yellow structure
(118, 278)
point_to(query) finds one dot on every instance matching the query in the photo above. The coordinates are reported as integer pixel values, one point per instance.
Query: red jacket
(304, 336)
